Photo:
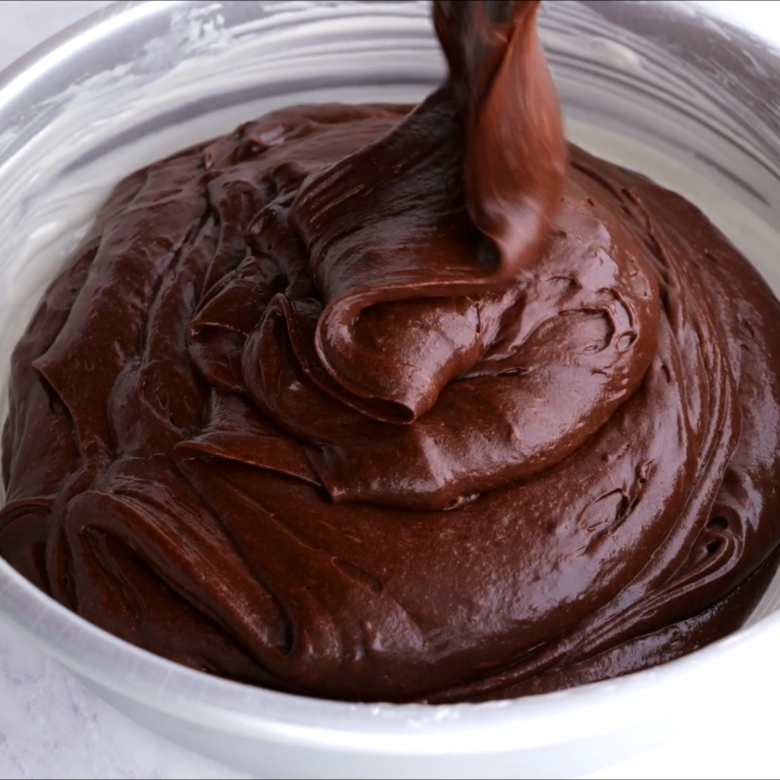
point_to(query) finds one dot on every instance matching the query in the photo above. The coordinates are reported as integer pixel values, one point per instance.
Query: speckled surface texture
(51, 726)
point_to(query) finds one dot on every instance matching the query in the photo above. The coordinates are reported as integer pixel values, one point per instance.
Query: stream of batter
(380, 403)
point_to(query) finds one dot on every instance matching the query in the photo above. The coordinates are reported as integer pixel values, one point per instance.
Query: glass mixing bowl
(666, 88)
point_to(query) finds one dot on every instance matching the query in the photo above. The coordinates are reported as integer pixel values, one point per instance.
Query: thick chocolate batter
(378, 405)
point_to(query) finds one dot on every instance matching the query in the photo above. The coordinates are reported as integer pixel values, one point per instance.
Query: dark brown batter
(377, 405)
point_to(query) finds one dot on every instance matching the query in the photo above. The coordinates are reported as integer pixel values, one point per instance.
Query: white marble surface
(25, 23)
(51, 726)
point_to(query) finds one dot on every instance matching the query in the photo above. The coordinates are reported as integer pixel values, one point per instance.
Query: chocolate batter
(377, 404)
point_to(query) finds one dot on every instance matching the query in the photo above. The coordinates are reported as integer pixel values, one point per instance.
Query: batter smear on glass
(372, 403)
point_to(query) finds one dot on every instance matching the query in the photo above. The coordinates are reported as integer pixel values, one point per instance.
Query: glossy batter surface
(374, 403)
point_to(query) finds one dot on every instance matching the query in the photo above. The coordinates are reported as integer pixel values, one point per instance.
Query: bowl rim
(411, 729)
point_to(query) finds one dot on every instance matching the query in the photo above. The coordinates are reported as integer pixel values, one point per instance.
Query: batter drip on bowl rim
(381, 403)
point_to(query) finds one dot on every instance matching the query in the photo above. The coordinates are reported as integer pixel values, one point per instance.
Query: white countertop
(51, 726)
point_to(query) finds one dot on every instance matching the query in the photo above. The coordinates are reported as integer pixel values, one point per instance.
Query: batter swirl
(373, 403)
